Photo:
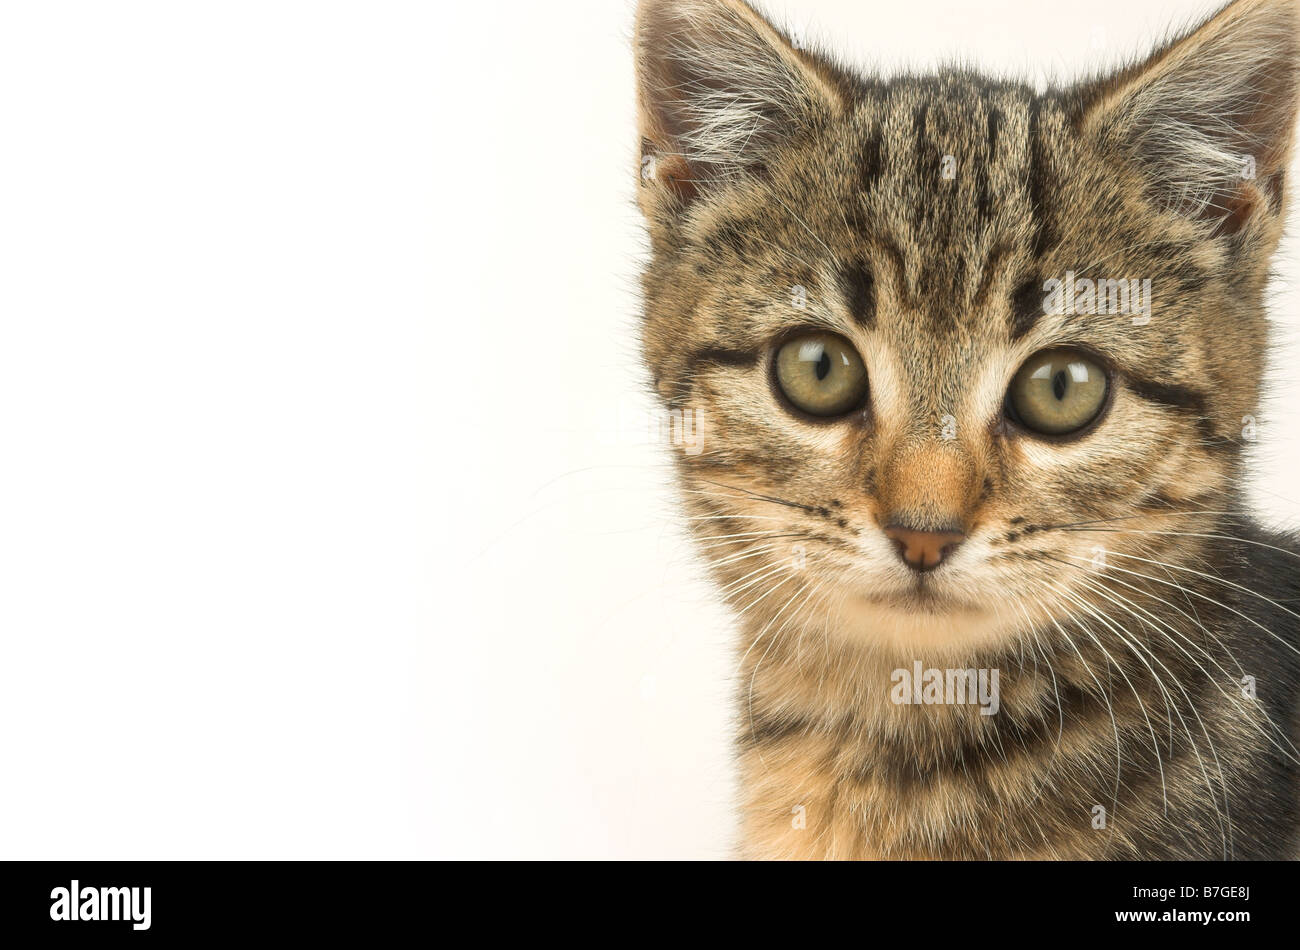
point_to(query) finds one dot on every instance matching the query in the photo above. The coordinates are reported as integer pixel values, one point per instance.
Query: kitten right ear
(1209, 119)
(717, 86)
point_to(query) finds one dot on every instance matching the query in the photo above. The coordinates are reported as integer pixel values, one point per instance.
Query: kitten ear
(1209, 119)
(717, 85)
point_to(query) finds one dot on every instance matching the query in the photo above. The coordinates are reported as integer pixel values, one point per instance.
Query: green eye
(822, 374)
(1057, 392)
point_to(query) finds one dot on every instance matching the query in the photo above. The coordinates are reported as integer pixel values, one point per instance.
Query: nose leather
(923, 550)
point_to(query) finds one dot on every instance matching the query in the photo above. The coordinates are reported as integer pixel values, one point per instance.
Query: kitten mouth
(921, 597)
(918, 598)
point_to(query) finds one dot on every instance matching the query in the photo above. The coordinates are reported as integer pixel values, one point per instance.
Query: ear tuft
(1209, 119)
(718, 86)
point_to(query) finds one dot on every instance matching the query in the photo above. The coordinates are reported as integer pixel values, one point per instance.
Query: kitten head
(948, 345)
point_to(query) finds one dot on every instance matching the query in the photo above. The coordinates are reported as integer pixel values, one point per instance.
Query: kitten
(972, 370)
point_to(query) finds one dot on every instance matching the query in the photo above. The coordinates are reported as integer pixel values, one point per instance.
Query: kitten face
(918, 225)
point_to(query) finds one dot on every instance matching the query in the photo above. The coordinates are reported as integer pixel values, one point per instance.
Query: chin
(923, 621)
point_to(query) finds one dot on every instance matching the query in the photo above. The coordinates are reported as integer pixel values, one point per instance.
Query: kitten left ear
(717, 86)
(1209, 119)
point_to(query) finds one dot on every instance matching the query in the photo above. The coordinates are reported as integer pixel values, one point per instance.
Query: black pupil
(1060, 383)
(823, 366)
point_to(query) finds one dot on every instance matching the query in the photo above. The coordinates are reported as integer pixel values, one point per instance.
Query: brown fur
(767, 169)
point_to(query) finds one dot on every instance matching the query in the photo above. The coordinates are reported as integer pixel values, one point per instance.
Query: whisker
(1196, 593)
(1135, 649)
(1114, 802)
(1209, 577)
(1294, 753)
(1141, 705)
(1188, 534)
(769, 498)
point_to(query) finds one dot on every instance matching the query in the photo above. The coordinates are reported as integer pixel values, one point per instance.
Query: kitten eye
(1057, 392)
(821, 374)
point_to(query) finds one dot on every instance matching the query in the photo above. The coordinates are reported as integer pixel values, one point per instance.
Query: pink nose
(923, 550)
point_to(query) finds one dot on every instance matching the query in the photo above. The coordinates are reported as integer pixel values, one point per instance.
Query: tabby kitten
(972, 369)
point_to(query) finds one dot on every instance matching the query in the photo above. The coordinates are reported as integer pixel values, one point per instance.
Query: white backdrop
(329, 521)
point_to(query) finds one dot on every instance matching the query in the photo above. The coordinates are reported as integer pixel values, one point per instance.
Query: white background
(329, 524)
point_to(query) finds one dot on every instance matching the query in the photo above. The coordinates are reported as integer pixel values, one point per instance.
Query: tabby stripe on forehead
(859, 289)
(985, 197)
(870, 165)
(1026, 307)
(918, 126)
(928, 157)
(1038, 181)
